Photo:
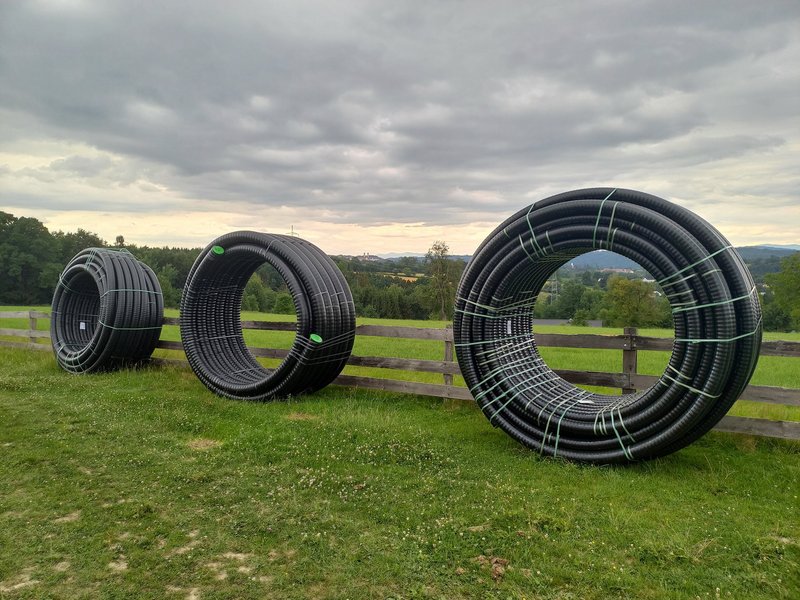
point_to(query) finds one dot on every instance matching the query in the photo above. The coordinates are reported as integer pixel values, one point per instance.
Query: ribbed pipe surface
(107, 311)
(211, 328)
(716, 315)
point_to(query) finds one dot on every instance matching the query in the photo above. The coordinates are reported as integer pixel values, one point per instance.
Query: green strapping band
(733, 339)
(674, 370)
(127, 328)
(525, 303)
(621, 422)
(690, 388)
(528, 219)
(157, 293)
(550, 418)
(694, 264)
(608, 236)
(625, 451)
(522, 244)
(505, 316)
(491, 341)
(599, 212)
(677, 310)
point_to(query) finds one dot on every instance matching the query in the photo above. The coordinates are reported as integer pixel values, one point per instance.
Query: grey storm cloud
(393, 112)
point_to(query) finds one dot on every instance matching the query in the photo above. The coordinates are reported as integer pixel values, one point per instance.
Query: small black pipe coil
(107, 311)
(211, 328)
(716, 315)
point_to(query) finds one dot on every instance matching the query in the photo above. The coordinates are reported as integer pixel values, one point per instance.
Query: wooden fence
(629, 343)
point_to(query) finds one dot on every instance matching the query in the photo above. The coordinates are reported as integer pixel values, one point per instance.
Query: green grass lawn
(142, 484)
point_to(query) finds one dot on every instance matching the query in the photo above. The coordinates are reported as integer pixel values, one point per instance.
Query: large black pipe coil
(716, 316)
(211, 317)
(107, 311)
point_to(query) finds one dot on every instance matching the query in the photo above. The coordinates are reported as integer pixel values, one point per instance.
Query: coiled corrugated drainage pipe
(107, 311)
(210, 319)
(715, 308)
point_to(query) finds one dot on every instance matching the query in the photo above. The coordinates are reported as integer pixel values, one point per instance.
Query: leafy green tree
(29, 261)
(69, 244)
(633, 303)
(258, 297)
(444, 275)
(172, 296)
(785, 288)
(284, 305)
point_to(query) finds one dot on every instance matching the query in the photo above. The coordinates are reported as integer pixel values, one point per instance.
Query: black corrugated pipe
(211, 327)
(716, 315)
(107, 311)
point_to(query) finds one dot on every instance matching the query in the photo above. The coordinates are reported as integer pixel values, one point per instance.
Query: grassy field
(142, 484)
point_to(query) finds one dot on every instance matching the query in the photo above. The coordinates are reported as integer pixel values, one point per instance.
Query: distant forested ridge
(598, 285)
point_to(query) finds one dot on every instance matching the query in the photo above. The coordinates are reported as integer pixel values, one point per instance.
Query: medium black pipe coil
(211, 327)
(107, 311)
(716, 315)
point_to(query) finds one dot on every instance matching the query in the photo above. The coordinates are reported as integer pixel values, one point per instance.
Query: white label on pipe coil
(83, 325)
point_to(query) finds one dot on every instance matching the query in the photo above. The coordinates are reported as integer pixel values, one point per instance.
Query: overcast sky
(383, 126)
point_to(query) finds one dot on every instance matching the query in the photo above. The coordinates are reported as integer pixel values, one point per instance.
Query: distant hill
(603, 259)
(781, 246)
(761, 259)
(764, 252)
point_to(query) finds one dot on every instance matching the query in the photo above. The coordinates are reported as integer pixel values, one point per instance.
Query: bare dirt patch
(118, 565)
(301, 416)
(498, 565)
(19, 582)
(193, 541)
(70, 518)
(240, 556)
(191, 593)
(203, 444)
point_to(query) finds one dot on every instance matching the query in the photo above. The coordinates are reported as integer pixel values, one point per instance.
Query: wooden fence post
(630, 359)
(448, 357)
(32, 327)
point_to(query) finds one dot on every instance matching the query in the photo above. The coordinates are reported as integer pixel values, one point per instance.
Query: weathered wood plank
(617, 380)
(269, 325)
(581, 340)
(780, 348)
(28, 333)
(653, 343)
(408, 387)
(173, 362)
(771, 395)
(381, 362)
(24, 314)
(26, 346)
(406, 364)
(785, 430)
(414, 333)
(447, 378)
(630, 358)
(169, 345)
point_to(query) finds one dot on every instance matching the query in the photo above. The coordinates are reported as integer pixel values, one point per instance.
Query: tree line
(31, 258)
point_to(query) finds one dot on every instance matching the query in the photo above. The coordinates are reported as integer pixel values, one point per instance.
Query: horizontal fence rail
(629, 343)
